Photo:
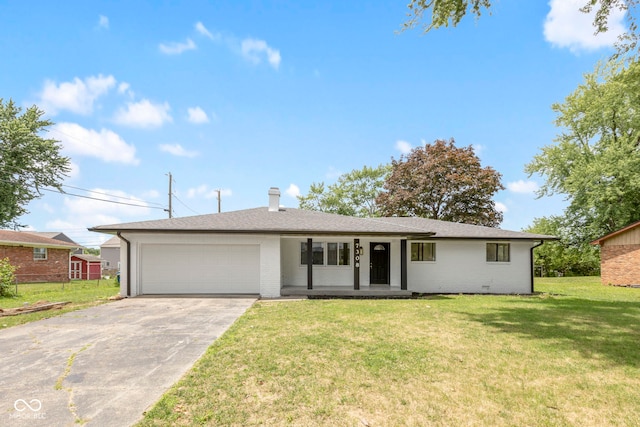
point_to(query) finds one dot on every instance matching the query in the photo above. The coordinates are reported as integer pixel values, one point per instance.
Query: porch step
(368, 293)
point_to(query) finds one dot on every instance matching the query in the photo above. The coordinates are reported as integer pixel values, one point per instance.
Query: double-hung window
(498, 252)
(317, 249)
(337, 253)
(423, 251)
(39, 253)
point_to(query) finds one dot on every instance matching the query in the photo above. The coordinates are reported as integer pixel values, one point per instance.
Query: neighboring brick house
(620, 256)
(56, 235)
(37, 258)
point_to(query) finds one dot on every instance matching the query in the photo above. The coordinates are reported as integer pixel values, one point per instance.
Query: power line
(101, 200)
(112, 195)
(16, 170)
(183, 204)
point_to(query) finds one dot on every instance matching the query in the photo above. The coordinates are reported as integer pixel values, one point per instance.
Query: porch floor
(346, 292)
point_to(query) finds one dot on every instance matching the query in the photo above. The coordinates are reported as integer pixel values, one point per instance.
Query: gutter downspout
(129, 263)
(532, 265)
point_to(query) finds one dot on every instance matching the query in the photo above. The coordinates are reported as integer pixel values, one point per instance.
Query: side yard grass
(81, 294)
(567, 356)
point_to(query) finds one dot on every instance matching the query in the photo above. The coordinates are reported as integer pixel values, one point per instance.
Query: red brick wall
(54, 269)
(620, 264)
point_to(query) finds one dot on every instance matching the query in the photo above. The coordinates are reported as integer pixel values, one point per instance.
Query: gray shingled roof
(113, 242)
(289, 221)
(19, 238)
(88, 257)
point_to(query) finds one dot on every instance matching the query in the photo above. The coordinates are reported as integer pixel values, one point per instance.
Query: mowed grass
(569, 356)
(81, 294)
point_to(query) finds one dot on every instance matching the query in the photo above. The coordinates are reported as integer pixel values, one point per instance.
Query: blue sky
(244, 95)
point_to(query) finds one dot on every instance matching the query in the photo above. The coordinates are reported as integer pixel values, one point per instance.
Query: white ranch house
(265, 251)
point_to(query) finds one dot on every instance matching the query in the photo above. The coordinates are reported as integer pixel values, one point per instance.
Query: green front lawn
(567, 356)
(81, 294)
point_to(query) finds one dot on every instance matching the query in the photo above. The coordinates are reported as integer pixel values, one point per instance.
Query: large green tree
(28, 162)
(434, 14)
(563, 257)
(595, 161)
(354, 193)
(442, 181)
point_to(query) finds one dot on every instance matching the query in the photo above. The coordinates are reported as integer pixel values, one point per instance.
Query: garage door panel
(206, 269)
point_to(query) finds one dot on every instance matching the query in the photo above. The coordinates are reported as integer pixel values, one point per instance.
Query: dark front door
(379, 267)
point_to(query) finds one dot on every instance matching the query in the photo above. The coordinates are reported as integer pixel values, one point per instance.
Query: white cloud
(151, 194)
(177, 150)
(176, 48)
(78, 214)
(254, 50)
(333, 173)
(200, 28)
(566, 27)
(197, 115)
(293, 190)
(105, 144)
(523, 187)
(478, 149)
(501, 207)
(208, 193)
(75, 169)
(144, 114)
(124, 88)
(77, 96)
(103, 22)
(403, 146)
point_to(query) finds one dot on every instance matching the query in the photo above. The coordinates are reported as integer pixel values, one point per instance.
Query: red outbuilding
(85, 267)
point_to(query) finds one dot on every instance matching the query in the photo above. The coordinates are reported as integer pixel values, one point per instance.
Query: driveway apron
(106, 365)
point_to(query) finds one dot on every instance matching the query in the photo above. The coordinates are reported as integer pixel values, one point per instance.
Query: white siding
(262, 260)
(461, 267)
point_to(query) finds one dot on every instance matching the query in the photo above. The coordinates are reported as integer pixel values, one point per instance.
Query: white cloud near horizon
(105, 145)
(197, 115)
(103, 22)
(206, 192)
(566, 27)
(77, 96)
(144, 114)
(523, 187)
(178, 150)
(78, 214)
(403, 146)
(124, 88)
(501, 207)
(293, 191)
(176, 48)
(254, 50)
(201, 29)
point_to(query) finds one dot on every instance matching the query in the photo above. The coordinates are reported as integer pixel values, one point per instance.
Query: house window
(338, 254)
(498, 252)
(39, 253)
(423, 251)
(317, 250)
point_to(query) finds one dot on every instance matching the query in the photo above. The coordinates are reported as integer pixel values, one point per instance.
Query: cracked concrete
(112, 362)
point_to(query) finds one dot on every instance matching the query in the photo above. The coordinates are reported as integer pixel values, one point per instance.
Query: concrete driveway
(106, 365)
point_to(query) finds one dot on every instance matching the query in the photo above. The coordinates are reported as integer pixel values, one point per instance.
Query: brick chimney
(274, 199)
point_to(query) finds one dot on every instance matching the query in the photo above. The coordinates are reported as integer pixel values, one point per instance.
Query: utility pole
(218, 200)
(170, 193)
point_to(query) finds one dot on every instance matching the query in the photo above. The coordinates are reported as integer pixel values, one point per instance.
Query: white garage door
(199, 269)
